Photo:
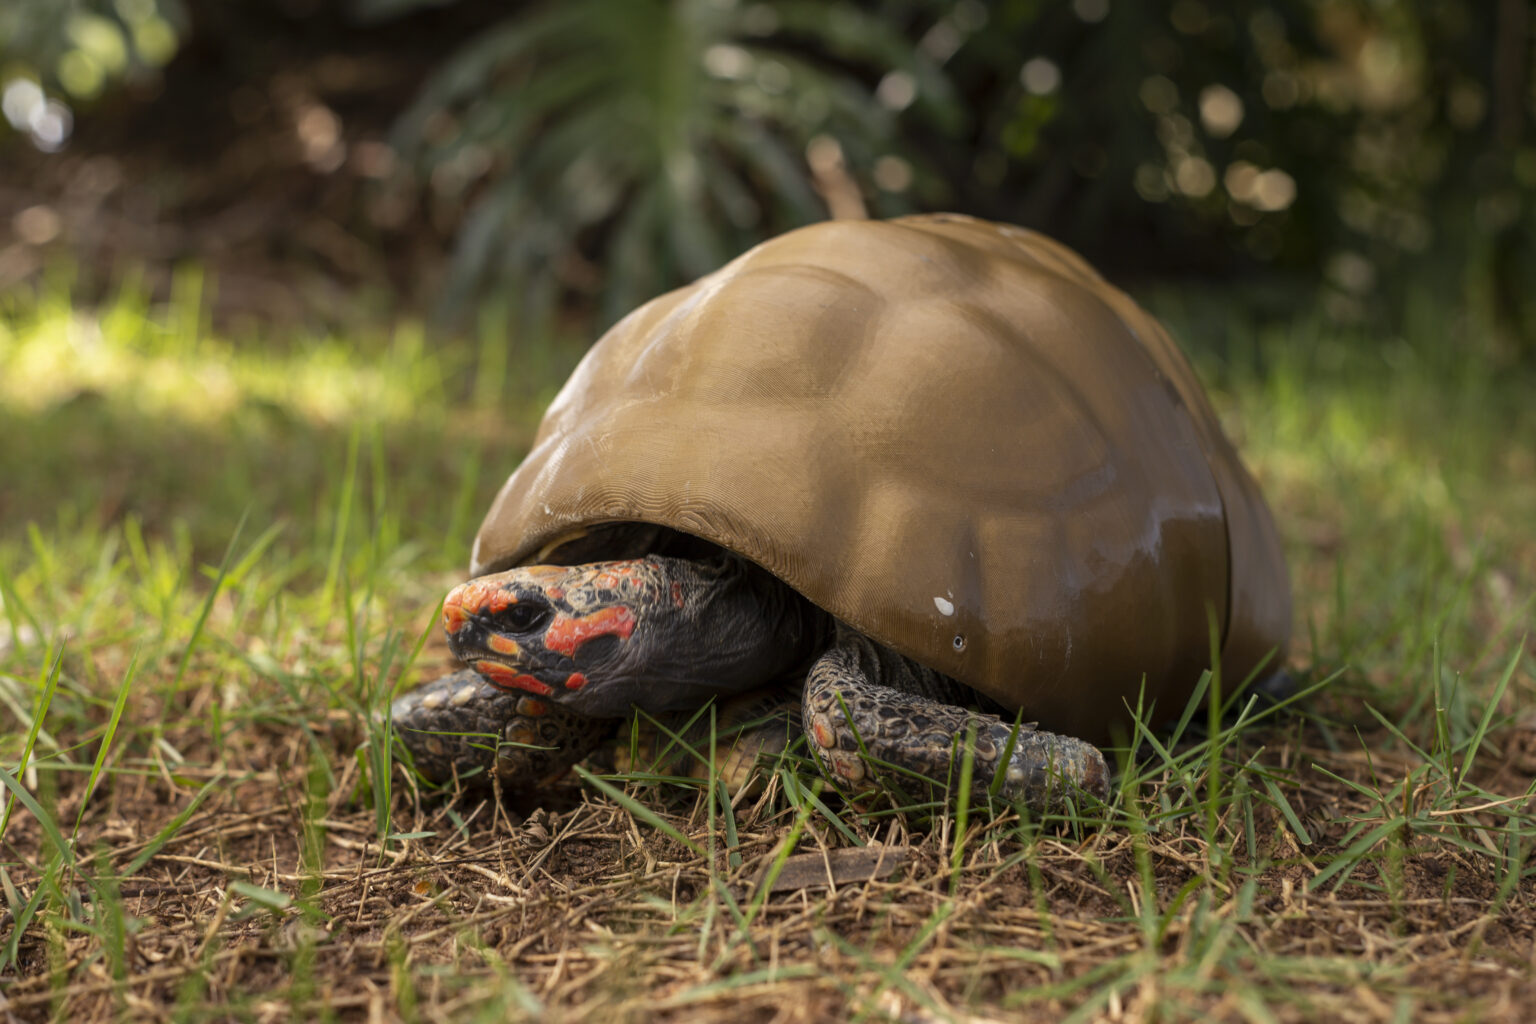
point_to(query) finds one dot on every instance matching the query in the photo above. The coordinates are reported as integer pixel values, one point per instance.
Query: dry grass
(211, 829)
(587, 913)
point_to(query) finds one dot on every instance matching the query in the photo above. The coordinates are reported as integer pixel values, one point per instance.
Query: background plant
(597, 152)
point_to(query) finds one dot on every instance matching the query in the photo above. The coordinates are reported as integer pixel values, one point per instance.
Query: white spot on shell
(944, 605)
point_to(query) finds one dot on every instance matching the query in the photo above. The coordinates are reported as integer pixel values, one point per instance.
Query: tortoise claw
(1045, 768)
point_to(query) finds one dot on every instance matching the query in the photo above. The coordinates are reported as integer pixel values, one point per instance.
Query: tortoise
(930, 481)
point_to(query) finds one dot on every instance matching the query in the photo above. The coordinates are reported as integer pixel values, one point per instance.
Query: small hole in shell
(959, 643)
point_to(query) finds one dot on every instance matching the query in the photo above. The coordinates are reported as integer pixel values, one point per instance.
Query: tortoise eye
(527, 615)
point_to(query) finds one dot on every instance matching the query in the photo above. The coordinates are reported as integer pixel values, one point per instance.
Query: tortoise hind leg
(460, 726)
(924, 735)
(747, 732)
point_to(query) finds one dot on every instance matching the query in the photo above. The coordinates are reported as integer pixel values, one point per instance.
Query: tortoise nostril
(454, 617)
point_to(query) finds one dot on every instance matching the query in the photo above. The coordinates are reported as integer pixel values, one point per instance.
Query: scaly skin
(459, 724)
(566, 650)
(863, 709)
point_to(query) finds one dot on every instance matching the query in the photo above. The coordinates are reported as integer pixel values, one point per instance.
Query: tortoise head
(554, 631)
(658, 632)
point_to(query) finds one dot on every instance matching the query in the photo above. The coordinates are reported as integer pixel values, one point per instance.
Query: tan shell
(951, 434)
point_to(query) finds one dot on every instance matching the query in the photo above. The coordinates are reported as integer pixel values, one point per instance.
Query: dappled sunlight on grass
(157, 368)
(133, 411)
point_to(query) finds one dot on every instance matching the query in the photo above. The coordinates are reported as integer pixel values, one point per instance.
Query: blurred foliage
(661, 136)
(77, 48)
(604, 150)
(1385, 147)
(1375, 146)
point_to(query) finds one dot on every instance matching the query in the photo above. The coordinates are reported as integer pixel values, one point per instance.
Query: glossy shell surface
(951, 434)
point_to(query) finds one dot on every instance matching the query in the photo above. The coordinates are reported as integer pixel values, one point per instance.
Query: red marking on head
(555, 593)
(503, 645)
(532, 708)
(479, 596)
(511, 679)
(467, 597)
(575, 681)
(566, 634)
(617, 575)
(677, 593)
(532, 685)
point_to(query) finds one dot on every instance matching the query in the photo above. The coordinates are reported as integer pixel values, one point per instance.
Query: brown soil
(584, 910)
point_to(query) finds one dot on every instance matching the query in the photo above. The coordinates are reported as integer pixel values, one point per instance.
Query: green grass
(219, 556)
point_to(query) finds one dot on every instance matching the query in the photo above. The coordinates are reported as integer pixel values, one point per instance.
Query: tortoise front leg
(459, 723)
(926, 736)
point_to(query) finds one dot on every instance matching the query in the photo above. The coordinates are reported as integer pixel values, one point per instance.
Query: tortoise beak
(465, 610)
(469, 619)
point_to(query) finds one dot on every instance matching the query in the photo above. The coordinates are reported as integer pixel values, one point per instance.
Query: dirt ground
(572, 908)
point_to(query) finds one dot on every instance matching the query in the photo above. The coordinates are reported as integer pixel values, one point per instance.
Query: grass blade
(44, 702)
(44, 819)
(123, 690)
(639, 810)
(207, 606)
